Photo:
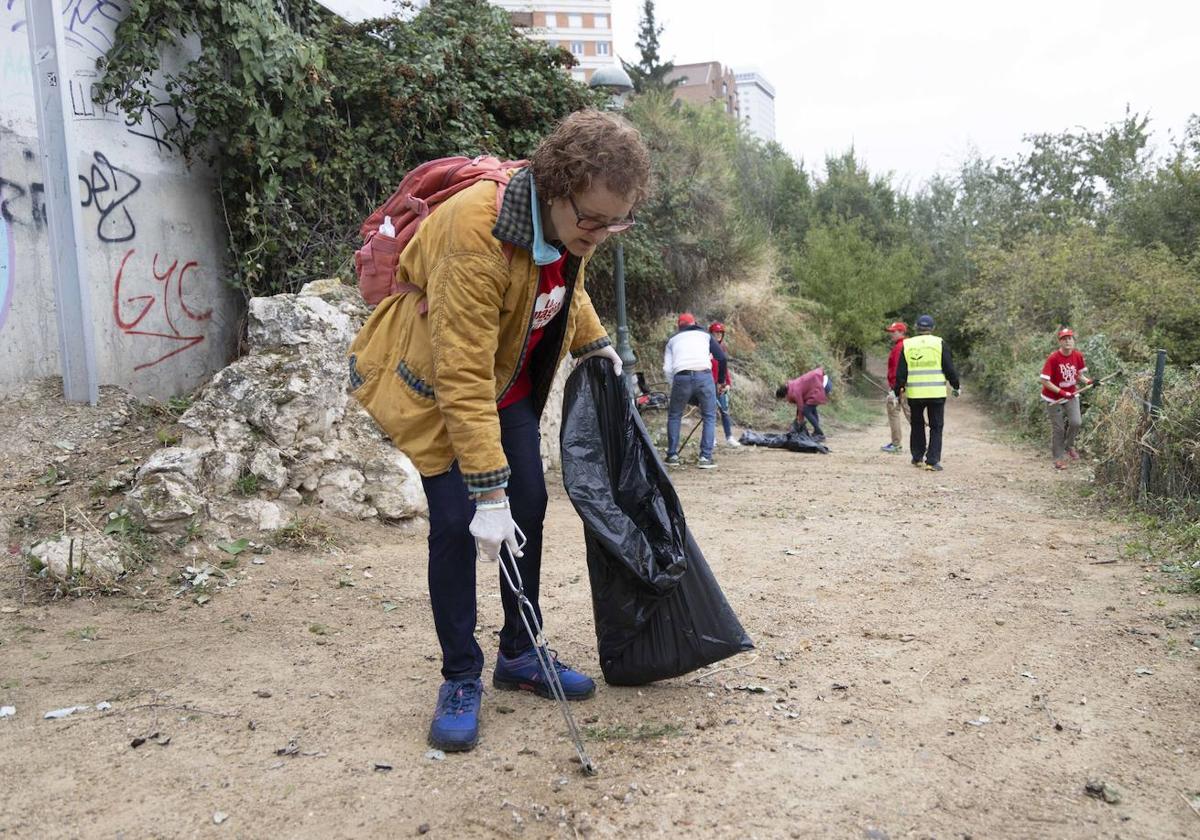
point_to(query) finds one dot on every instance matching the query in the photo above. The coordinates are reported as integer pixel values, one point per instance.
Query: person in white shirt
(687, 364)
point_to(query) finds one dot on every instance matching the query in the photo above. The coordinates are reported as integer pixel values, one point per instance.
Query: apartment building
(581, 27)
(707, 82)
(756, 99)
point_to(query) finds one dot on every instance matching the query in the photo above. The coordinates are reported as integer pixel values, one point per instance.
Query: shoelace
(558, 666)
(461, 698)
(553, 654)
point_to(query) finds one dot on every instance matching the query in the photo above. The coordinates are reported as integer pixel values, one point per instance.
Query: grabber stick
(534, 628)
(1101, 380)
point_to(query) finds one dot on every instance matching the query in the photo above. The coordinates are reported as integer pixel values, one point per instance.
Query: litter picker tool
(1099, 381)
(534, 628)
(699, 422)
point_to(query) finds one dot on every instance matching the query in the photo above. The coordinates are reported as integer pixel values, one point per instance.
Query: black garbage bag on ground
(659, 611)
(791, 440)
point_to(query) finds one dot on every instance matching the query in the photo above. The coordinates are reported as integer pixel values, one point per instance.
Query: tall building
(756, 98)
(706, 82)
(581, 27)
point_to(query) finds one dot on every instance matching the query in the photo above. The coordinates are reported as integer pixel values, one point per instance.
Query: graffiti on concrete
(87, 24)
(165, 319)
(83, 101)
(22, 203)
(88, 27)
(104, 186)
(108, 187)
(156, 122)
(6, 270)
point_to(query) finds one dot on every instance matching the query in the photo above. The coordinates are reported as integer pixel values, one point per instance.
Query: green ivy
(309, 122)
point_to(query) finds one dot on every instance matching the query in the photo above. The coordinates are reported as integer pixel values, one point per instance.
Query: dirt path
(946, 655)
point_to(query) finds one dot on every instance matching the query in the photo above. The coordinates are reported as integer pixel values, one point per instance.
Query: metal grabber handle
(534, 628)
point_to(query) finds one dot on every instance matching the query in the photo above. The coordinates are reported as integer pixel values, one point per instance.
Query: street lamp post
(616, 82)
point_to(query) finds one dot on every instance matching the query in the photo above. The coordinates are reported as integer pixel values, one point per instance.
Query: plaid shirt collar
(520, 220)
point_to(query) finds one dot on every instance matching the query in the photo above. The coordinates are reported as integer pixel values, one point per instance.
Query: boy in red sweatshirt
(1060, 378)
(896, 405)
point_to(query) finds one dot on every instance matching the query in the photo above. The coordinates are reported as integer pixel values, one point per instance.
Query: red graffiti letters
(171, 295)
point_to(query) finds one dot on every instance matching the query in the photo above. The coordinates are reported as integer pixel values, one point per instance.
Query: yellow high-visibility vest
(923, 354)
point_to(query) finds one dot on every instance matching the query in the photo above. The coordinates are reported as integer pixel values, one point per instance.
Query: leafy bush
(310, 122)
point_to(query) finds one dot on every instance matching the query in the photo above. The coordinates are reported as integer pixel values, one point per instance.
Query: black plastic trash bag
(792, 440)
(659, 611)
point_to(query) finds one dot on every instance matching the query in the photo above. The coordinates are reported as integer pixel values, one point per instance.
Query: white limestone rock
(71, 557)
(165, 501)
(187, 462)
(282, 413)
(267, 465)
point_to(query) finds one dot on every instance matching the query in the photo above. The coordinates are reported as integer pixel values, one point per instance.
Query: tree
(691, 234)
(855, 281)
(773, 189)
(1165, 207)
(849, 192)
(649, 74)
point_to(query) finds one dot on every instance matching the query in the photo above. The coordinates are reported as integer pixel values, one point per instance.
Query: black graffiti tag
(108, 187)
(87, 23)
(12, 198)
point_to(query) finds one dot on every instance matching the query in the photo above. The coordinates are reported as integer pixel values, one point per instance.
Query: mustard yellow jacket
(432, 380)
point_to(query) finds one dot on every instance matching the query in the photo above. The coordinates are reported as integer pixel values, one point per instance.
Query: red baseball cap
(716, 326)
(1066, 332)
(687, 319)
(896, 326)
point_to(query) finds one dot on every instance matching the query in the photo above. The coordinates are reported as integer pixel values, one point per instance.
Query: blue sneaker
(455, 726)
(524, 673)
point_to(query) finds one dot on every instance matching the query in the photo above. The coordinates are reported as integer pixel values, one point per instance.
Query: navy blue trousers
(452, 562)
(937, 419)
(811, 415)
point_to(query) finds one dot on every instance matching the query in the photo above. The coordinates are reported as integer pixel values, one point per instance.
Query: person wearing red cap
(717, 330)
(896, 405)
(687, 366)
(1060, 378)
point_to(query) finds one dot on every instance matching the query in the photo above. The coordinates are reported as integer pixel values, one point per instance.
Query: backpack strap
(410, 289)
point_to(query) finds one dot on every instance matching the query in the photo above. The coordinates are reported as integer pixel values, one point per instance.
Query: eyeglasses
(592, 225)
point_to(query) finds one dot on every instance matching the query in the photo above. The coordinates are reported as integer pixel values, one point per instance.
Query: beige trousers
(894, 410)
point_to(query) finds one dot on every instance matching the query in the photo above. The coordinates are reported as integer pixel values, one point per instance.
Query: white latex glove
(892, 398)
(492, 526)
(609, 352)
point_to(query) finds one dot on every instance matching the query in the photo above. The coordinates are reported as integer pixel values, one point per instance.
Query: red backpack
(421, 191)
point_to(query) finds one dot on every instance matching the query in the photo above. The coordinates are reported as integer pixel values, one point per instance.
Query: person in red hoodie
(1060, 379)
(717, 330)
(807, 392)
(896, 405)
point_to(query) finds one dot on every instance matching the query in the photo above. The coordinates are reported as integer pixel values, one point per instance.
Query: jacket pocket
(401, 403)
(418, 384)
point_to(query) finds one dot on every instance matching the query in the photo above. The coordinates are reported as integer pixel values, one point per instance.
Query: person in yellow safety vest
(921, 374)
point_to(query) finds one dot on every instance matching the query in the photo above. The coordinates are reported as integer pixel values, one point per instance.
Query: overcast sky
(914, 85)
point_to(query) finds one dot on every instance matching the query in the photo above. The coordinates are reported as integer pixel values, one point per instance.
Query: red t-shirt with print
(552, 288)
(1063, 371)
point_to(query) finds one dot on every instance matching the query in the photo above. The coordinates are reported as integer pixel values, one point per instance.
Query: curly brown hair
(589, 146)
